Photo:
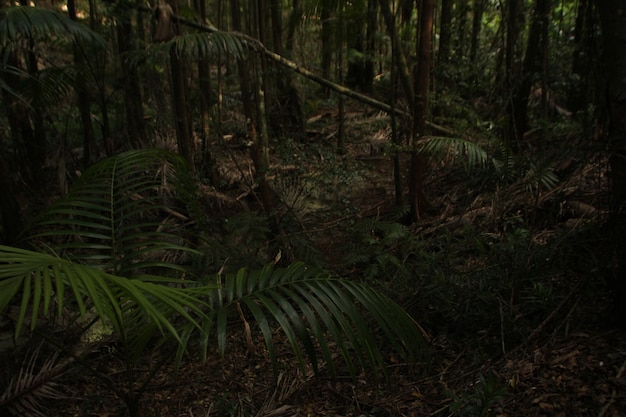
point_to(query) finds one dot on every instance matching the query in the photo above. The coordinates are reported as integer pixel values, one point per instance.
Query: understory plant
(118, 251)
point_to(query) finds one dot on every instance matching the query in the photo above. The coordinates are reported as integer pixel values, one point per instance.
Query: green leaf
(24, 22)
(310, 308)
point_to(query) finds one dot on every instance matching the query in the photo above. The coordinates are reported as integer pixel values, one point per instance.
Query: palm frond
(538, 177)
(504, 162)
(310, 308)
(455, 149)
(13, 71)
(34, 279)
(194, 46)
(34, 383)
(122, 215)
(23, 22)
(48, 86)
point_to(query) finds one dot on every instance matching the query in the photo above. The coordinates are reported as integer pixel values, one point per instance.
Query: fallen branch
(338, 88)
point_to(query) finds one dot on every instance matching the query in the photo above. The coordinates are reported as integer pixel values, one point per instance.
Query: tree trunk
(166, 27)
(417, 195)
(204, 85)
(180, 102)
(530, 68)
(511, 71)
(613, 16)
(404, 71)
(133, 101)
(477, 23)
(82, 96)
(360, 41)
(445, 31)
(9, 207)
(326, 38)
(286, 112)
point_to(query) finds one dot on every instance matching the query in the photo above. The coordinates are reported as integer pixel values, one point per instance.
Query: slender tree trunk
(28, 159)
(244, 80)
(404, 71)
(512, 71)
(9, 207)
(445, 31)
(180, 100)
(613, 15)
(326, 38)
(417, 195)
(84, 102)
(341, 112)
(133, 101)
(286, 106)
(178, 79)
(477, 24)
(462, 21)
(204, 85)
(530, 68)
(360, 39)
(37, 146)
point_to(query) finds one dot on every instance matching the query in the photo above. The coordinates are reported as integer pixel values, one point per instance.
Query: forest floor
(570, 360)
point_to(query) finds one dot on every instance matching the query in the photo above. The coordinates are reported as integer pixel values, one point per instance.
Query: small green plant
(487, 394)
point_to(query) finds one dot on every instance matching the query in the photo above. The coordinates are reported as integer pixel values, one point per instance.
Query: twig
(611, 401)
(548, 319)
(248, 333)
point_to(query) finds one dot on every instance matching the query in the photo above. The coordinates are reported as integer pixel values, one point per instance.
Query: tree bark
(445, 31)
(133, 101)
(511, 71)
(530, 67)
(417, 195)
(613, 16)
(477, 23)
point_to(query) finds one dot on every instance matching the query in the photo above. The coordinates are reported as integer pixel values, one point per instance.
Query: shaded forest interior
(313, 207)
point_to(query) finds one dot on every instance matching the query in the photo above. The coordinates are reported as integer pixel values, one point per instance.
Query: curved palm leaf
(12, 71)
(36, 279)
(310, 307)
(35, 383)
(195, 46)
(21, 22)
(455, 148)
(122, 215)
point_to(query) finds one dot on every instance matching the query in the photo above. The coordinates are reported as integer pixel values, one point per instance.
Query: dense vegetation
(404, 195)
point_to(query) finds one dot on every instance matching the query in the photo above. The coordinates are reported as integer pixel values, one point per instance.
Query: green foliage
(111, 226)
(18, 23)
(196, 46)
(455, 149)
(309, 306)
(487, 393)
(123, 215)
(379, 248)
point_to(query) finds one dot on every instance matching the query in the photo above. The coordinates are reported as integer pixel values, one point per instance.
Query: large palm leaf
(33, 23)
(455, 149)
(196, 46)
(311, 307)
(36, 281)
(124, 215)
